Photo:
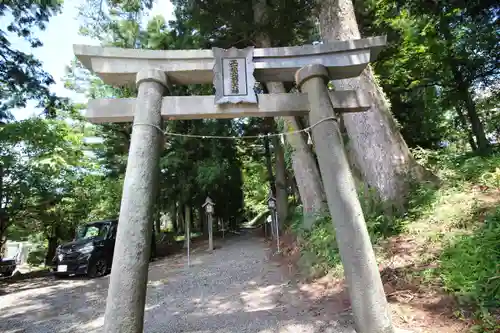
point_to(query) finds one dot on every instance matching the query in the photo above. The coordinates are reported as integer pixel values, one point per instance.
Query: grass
(180, 238)
(447, 242)
(478, 251)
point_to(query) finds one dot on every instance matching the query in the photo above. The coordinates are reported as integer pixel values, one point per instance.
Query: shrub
(470, 268)
(36, 256)
(491, 179)
(318, 247)
(457, 168)
(469, 264)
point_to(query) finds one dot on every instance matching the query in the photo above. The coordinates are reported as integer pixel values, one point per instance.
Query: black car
(90, 253)
(7, 266)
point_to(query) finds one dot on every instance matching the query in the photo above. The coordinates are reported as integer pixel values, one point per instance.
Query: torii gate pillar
(366, 292)
(128, 284)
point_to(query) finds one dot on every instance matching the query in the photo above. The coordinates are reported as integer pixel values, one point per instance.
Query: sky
(57, 50)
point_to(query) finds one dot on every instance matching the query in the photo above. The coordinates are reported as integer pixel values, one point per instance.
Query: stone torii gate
(234, 73)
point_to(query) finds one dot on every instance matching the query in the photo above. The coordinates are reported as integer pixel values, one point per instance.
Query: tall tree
(443, 54)
(257, 23)
(22, 77)
(191, 167)
(43, 169)
(375, 145)
(303, 161)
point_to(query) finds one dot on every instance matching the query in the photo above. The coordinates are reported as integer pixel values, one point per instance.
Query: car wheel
(7, 273)
(98, 269)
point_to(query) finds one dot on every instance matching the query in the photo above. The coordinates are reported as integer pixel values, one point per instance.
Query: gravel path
(235, 289)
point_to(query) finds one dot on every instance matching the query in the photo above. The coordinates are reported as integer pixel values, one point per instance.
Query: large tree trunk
(174, 218)
(203, 223)
(464, 90)
(476, 125)
(304, 164)
(307, 176)
(463, 123)
(51, 250)
(194, 225)
(281, 188)
(377, 149)
(269, 166)
(181, 227)
(158, 225)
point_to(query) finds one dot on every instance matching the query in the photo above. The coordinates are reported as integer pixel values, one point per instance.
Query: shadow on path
(233, 289)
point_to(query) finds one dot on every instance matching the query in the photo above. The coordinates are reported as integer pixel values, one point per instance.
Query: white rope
(245, 137)
(150, 125)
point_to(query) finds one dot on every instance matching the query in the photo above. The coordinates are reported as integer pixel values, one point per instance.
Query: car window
(91, 232)
(113, 231)
(104, 231)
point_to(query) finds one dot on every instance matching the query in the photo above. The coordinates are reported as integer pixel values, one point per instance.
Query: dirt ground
(414, 308)
(237, 288)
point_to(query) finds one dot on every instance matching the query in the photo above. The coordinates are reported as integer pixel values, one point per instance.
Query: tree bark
(158, 226)
(51, 250)
(304, 164)
(463, 122)
(281, 192)
(476, 125)
(269, 167)
(204, 223)
(181, 219)
(377, 148)
(281, 188)
(464, 91)
(193, 219)
(174, 218)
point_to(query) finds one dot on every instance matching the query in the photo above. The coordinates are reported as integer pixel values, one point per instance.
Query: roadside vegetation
(448, 241)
